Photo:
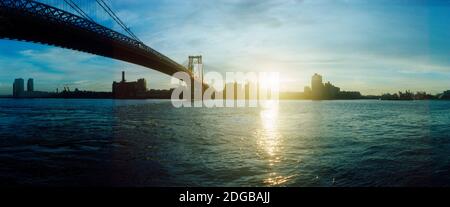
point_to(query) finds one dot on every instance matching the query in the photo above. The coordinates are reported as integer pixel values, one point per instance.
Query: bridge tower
(195, 66)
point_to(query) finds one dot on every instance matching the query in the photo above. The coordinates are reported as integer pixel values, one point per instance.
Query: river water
(58, 142)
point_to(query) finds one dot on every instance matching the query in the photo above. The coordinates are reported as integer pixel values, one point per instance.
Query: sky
(372, 46)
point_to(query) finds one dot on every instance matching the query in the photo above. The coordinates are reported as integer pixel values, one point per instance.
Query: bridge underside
(17, 25)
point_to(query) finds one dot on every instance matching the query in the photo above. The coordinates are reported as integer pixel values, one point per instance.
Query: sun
(269, 80)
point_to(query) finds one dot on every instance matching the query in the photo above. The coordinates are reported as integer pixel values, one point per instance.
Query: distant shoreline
(283, 99)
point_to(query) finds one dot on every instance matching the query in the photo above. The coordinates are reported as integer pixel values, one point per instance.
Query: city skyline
(123, 89)
(372, 47)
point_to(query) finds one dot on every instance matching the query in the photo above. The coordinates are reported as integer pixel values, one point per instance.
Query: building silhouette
(30, 85)
(321, 91)
(126, 90)
(330, 91)
(18, 87)
(316, 86)
(19, 90)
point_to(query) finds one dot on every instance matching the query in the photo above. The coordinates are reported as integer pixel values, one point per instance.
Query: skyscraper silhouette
(316, 86)
(18, 87)
(30, 85)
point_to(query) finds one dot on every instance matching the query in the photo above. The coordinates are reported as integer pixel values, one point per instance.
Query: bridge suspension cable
(108, 10)
(111, 13)
(80, 11)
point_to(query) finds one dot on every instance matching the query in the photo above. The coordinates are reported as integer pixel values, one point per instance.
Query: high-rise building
(316, 86)
(321, 91)
(30, 85)
(18, 87)
(19, 90)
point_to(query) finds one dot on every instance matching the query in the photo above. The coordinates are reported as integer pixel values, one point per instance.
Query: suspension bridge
(68, 25)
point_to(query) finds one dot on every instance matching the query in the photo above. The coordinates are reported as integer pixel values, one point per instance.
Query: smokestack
(123, 76)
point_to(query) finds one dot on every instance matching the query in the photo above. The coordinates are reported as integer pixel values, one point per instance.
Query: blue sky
(373, 46)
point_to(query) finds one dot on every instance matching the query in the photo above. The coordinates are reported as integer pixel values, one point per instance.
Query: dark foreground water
(298, 143)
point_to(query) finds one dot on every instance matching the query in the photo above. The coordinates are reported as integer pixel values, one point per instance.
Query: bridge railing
(51, 13)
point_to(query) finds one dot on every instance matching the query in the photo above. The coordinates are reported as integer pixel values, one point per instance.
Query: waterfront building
(30, 85)
(124, 90)
(330, 91)
(18, 87)
(316, 86)
(321, 91)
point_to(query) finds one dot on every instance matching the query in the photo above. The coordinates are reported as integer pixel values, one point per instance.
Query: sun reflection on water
(269, 140)
(269, 135)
